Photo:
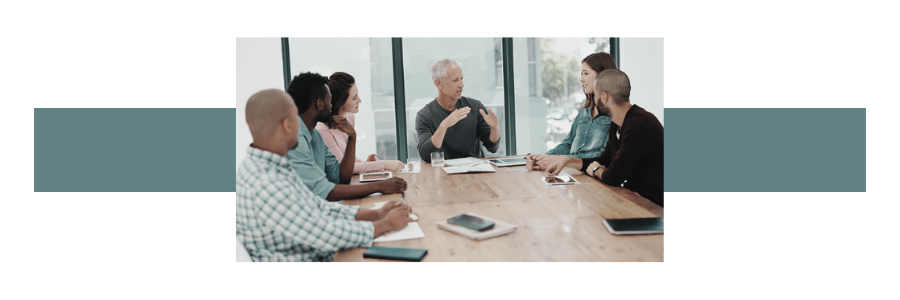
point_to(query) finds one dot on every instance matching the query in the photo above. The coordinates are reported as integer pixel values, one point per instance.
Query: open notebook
(467, 165)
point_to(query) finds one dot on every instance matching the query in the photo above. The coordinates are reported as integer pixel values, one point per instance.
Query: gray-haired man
(447, 124)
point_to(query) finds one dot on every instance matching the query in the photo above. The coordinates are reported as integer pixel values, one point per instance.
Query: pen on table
(412, 216)
(532, 158)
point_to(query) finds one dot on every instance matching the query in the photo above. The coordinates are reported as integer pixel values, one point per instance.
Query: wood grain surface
(555, 223)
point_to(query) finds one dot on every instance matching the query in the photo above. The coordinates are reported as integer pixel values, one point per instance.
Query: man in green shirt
(317, 167)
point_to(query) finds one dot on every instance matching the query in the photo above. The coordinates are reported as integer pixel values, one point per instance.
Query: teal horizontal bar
(134, 149)
(765, 150)
(707, 150)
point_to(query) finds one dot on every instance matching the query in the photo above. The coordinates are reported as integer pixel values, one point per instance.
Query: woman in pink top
(345, 102)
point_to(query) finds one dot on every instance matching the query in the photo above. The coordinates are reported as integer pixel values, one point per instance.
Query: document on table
(412, 231)
(467, 169)
(466, 165)
(466, 161)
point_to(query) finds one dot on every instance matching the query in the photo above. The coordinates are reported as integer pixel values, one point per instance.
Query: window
(546, 79)
(479, 61)
(548, 91)
(369, 61)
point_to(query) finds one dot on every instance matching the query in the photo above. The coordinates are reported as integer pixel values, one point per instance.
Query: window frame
(509, 100)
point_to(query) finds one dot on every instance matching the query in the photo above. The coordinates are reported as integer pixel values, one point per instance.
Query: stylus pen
(402, 198)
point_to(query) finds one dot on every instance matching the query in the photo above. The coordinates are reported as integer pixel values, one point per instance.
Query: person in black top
(634, 152)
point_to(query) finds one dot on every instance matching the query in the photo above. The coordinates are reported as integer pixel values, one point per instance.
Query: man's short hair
(440, 68)
(306, 88)
(615, 83)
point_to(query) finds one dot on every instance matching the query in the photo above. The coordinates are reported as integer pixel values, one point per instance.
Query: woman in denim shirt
(588, 135)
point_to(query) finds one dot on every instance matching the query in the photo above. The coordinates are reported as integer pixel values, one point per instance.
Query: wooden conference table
(555, 223)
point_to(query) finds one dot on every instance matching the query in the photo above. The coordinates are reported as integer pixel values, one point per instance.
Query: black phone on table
(471, 222)
(634, 226)
(398, 253)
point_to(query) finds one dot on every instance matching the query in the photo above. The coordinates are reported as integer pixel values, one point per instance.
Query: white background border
(718, 245)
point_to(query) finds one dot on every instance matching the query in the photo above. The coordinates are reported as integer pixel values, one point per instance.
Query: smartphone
(383, 252)
(471, 222)
(634, 226)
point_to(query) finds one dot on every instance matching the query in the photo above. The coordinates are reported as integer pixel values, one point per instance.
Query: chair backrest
(242, 253)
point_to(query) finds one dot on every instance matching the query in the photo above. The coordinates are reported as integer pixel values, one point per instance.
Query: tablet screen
(515, 160)
(561, 179)
(376, 176)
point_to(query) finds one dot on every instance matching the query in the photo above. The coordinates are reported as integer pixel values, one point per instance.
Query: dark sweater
(634, 152)
(463, 139)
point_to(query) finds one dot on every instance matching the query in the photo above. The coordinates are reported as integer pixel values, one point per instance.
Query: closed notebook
(500, 228)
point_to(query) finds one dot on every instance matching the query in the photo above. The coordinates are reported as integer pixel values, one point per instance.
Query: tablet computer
(634, 226)
(506, 162)
(375, 176)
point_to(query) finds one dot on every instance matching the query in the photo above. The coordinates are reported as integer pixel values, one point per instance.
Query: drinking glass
(437, 159)
(412, 162)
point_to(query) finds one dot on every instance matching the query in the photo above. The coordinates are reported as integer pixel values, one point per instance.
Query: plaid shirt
(279, 219)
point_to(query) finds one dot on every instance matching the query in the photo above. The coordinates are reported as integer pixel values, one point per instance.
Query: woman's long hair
(597, 61)
(339, 83)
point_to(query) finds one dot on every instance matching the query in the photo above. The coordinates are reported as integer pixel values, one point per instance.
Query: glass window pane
(369, 61)
(481, 62)
(548, 91)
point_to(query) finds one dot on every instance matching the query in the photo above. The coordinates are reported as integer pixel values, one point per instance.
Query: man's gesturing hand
(455, 116)
(490, 118)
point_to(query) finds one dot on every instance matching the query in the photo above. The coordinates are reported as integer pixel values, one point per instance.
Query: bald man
(278, 217)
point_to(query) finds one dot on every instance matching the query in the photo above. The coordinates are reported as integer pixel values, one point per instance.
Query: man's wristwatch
(594, 171)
